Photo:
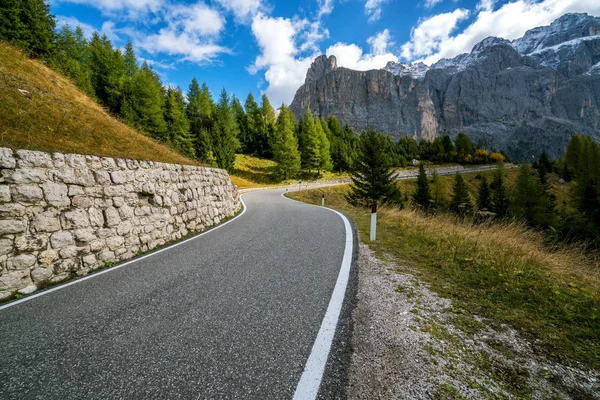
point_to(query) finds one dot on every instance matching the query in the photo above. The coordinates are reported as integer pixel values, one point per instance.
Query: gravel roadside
(409, 343)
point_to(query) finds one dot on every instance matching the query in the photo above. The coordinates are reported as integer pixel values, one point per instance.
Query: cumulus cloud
(191, 32)
(435, 37)
(373, 9)
(281, 54)
(352, 56)
(242, 9)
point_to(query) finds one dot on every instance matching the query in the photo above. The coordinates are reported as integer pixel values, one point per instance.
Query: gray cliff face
(524, 96)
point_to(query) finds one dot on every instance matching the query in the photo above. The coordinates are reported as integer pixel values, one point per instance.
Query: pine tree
(242, 122)
(267, 130)
(438, 191)
(500, 199)
(373, 178)
(252, 136)
(29, 25)
(70, 58)
(224, 133)
(285, 147)
(324, 156)
(108, 72)
(422, 196)
(130, 60)
(586, 193)
(193, 112)
(464, 146)
(461, 202)
(145, 108)
(527, 197)
(484, 197)
(309, 143)
(178, 126)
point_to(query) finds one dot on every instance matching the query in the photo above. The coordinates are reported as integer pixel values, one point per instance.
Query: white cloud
(126, 8)
(242, 9)
(191, 32)
(351, 56)
(281, 54)
(510, 21)
(373, 9)
(73, 23)
(325, 7)
(428, 36)
(431, 3)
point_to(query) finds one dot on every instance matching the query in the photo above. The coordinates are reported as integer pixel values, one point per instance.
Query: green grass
(254, 172)
(500, 271)
(42, 110)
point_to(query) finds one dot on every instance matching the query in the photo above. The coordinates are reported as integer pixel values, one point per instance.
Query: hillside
(41, 110)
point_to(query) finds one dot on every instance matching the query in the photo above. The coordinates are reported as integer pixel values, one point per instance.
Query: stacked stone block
(63, 214)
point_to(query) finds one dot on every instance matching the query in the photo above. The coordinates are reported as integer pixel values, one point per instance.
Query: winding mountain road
(238, 312)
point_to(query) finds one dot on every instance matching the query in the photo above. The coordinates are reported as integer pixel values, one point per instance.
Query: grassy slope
(503, 272)
(252, 172)
(53, 115)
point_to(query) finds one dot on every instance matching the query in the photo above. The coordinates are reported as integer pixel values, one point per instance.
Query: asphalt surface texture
(232, 314)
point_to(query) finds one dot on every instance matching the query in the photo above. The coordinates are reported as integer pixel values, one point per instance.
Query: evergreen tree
(324, 156)
(527, 193)
(130, 60)
(343, 145)
(224, 133)
(408, 147)
(461, 202)
(449, 148)
(71, 58)
(484, 198)
(145, 108)
(285, 147)
(422, 196)
(198, 130)
(29, 25)
(438, 191)
(267, 128)
(586, 192)
(500, 199)
(309, 143)
(178, 126)
(373, 178)
(108, 72)
(464, 146)
(254, 124)
(241, 120)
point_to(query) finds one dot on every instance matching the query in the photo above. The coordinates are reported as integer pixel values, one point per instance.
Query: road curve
(231, 314)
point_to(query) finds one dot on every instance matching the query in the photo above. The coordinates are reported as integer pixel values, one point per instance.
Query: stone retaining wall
(63, 214)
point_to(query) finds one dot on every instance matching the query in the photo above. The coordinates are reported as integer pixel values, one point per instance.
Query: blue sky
(266, 46)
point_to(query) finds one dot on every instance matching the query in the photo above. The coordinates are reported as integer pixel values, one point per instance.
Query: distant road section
(231, 314)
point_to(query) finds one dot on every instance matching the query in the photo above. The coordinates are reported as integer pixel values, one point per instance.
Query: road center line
(308, 386)
(93, 275)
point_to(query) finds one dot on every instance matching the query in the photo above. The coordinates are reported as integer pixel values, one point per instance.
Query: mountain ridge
(524, 96)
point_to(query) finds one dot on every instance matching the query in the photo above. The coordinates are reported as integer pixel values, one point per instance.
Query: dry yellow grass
(42, 110)
(498, 270)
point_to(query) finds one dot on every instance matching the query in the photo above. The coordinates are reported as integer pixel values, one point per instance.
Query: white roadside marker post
(323, 200)
(373, 221)
(299, 184)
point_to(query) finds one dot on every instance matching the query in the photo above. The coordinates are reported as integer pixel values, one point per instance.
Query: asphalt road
(231, 314)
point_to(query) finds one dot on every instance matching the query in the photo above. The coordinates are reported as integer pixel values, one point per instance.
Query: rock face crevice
(63, 214)
(524, 96)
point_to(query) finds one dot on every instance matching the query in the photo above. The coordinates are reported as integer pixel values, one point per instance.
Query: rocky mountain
(524, 96)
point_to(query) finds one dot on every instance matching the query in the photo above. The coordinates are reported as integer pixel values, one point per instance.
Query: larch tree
(309, 143)
(325, 163)
(178, 126)
(224, 133)
(29, 25)
(285, 146)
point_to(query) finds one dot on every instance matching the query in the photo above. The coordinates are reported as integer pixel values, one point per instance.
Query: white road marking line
(93, 275)
(308, 386)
